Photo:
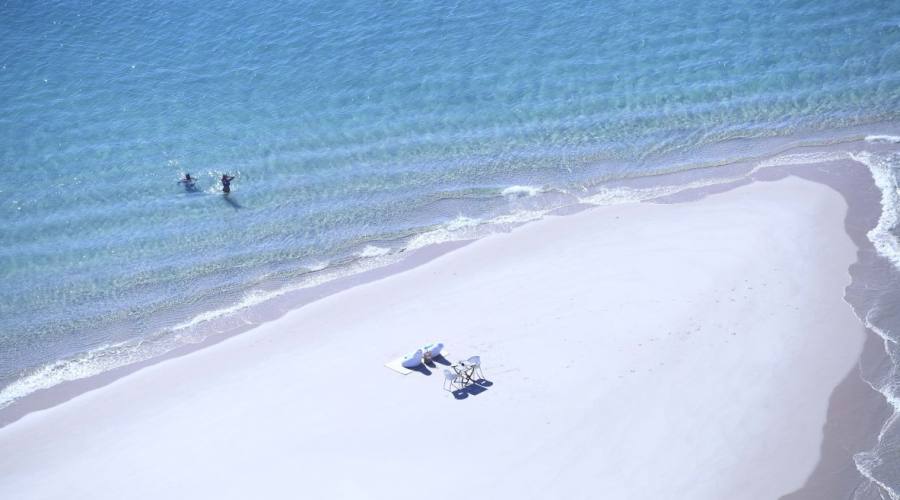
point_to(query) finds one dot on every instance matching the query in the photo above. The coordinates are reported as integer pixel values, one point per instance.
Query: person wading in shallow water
(226, 183)
(188, 182)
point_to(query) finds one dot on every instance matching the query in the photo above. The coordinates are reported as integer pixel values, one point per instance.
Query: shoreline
(687, 185)
(713, 166)
(716, 167)
(857, 412)
(272, 310)
(384, 273)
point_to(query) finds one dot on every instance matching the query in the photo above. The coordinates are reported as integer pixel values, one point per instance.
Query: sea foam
(882, 236)
(84, 365)
(784, 160)
(459, 228)
(521, 191)
(119, 354)
(623, 194)
(373, 251)
(891, 139)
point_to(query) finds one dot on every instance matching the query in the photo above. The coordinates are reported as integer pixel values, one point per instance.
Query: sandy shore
(635, 351)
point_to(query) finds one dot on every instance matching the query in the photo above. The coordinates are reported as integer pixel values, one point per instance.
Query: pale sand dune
(679, 351)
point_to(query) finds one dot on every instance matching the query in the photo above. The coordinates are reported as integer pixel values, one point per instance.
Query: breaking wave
(521, 191)
(892, 139)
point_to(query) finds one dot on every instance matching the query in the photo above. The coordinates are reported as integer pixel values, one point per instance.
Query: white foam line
(467, 228)
(800, 159)
(88, 364)
(373, 251)
(887, 245)
(111, 356)
(256, 297)
(864, 462)
(891, 139)
(521, 191)
(881, 237)
(460, 228)
(620, 195)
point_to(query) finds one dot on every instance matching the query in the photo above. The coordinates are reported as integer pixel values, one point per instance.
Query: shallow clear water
(355, 129)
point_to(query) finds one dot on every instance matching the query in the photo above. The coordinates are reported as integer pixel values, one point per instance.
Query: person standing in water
(226, 183)
(188, 182)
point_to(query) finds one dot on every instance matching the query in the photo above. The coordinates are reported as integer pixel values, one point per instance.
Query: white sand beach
(682, 351)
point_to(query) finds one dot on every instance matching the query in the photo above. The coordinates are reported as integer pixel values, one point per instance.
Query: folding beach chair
(452, 379)
(475, 362)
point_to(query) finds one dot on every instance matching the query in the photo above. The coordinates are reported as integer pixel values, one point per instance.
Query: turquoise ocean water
(357, 129)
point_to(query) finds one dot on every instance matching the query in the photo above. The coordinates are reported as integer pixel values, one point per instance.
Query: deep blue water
(354, 128)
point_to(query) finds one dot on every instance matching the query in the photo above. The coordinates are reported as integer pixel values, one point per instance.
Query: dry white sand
(640, 351)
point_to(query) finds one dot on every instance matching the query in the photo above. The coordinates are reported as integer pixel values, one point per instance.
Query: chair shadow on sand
(437, 360)
(473, 389)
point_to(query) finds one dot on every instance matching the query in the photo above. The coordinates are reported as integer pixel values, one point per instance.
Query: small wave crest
(882, 139)
(318, 265)
(373, 251)
(621, 194)
(800, 159)
(867, 463)
(87, 364)
(460, 228)
(256, 297)
(117, 355)
(519, 217)
(521, 191)
(467, 228)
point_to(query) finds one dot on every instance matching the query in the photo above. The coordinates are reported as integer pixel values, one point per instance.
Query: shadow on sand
(473, 389)
(431, 364)
(422, 369)
(437, 360)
